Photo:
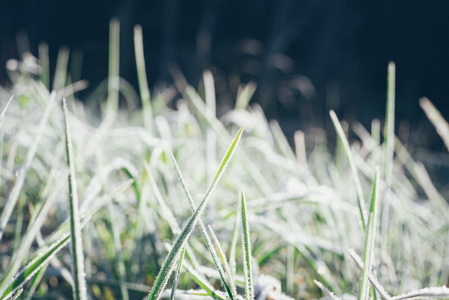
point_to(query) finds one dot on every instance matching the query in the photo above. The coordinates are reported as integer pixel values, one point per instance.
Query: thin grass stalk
(44, 63)
(15, 192)
(61, 69)
(79, 289)
(244, 95)
(177, 275)
(379, 288)
(326, 290)
(202, 282)
(145, 95)
(388, 151)
(352, 166)
(2, 115)
(207, 239)
(16, 296)
(234, 240)
(387, 171)
(246, 246)
(437, 120)
(370, 240)
(167, 268)
(225, 265)
(114, 68)
(33, 267)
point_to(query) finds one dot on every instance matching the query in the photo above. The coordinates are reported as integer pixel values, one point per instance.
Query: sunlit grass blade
(167, 268)
(247, 254)
(440, 124)
(31, 268)
(203, 230)
(15, 192)
(370, 240)
(352, 166)
(227, 269)
(177, 275)
(79, 289)
(111, 106)
(2, 116)
(326, 290)
(142, 77)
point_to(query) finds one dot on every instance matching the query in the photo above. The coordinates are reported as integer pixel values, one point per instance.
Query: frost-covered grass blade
(167, 268)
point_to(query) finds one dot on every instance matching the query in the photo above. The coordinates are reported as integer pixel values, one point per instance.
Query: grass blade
(352, 166)
(326, 290)
(177, 275)
(142, 77)
(227, 269)
(370, 239)
(203, 230)
(114, 65)
(4, 110)
(202, 282)
(79, 289)
(34, 266)
(246, 245)
(389, 127)
(430, 292)
(379, 288)
(440, 124)
(167, 268)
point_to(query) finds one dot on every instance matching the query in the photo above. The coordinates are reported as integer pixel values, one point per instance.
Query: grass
(153, 212)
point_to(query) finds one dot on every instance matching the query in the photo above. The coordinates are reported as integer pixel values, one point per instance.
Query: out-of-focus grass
(140, 176)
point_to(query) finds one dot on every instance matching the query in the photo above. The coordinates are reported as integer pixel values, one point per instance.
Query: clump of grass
(303, 217)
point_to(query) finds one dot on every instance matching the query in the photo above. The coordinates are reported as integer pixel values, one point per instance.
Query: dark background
(306, 56)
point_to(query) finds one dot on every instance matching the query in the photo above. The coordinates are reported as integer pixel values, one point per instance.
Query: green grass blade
(246, 245)
(167, 268)
(177, 275)
(370, 240)
(352, 166)
(234, 240)
(202, 282)
(79, 289)
(61, 69)
(34, 266)
(437, 120)
(4, 110)
(227, 269)
(387, 171)
(114, 68)
(145, 95)
(203, 230)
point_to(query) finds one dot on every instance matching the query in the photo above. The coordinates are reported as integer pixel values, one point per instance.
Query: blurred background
(306, 56)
